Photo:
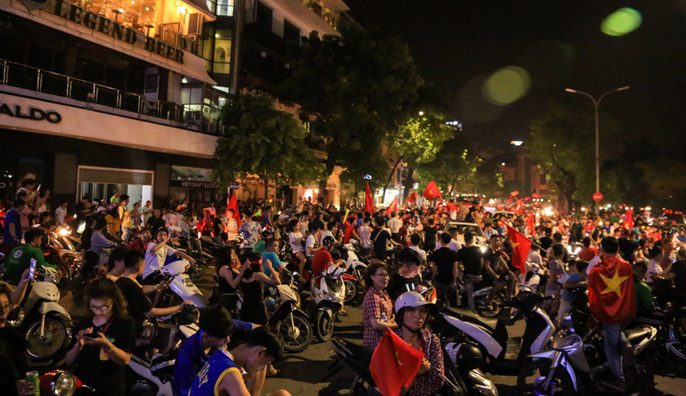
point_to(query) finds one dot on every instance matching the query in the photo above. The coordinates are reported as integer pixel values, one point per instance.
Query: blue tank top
(212, 373)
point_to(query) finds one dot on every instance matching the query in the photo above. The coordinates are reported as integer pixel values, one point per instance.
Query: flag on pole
(233, 204)
(368, 200)
(431, 191)
(412, 198)
(393, 207)
(520, 248)
(531, 224)
(394, 364)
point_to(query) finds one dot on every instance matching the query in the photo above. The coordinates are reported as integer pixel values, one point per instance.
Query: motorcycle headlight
(64, 385)
(64, 232)
(483, 249)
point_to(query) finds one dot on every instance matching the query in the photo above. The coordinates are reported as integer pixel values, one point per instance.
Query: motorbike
(490, 335)
(329, 297)
(61, 383)
(154, 376)
(358, 359)
(355, 268)
(671, 350)
(181, 285)
(573, 364)
(288, 320)
(46, 324)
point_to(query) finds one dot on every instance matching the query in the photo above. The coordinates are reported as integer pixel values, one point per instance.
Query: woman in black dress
(229, 275)
(254, 309)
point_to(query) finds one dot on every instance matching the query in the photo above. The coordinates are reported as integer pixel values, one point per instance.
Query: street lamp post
(596, 103)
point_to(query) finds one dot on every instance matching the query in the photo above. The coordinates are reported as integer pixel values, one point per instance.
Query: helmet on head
(328, 241)
(410, 300)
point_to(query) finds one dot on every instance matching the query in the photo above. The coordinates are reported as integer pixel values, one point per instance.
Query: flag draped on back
(520, 248)
(629, 220)
(233, 204)
(394, 364)
(611, 291)
(393, 207)
(368, 200)
(431, 191)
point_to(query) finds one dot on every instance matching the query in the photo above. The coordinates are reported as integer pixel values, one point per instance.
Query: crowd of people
(124, 245)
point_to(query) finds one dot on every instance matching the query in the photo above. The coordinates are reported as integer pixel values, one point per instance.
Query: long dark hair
(224, 258)
(102, 288)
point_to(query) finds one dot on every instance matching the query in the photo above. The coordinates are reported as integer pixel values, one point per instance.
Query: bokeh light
(507, 85)
(621, 22)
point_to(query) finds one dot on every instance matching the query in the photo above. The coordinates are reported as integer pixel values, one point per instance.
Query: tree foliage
(353, 90)
(263, 141)
(420, 138)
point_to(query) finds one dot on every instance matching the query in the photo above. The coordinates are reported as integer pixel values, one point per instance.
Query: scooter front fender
(557, 359)
(187, 293)
(49, 306)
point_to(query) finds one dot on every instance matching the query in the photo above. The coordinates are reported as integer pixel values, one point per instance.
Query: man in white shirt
(61, 212)
(312, 242)
(156, 256)
(394, 224)
(454, 244)
(415, 240)
(365, 233)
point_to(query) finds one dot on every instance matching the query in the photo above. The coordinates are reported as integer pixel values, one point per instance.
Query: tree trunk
(390, 176)
(408, 183)
(452, 187)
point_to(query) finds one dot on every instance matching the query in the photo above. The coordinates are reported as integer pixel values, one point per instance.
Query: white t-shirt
(295, 239)
(454, 245)
(155, 261)
(365, 234)
(310, 243)
(654, 270)
(60, 214)
(394, 224)
(595, 260)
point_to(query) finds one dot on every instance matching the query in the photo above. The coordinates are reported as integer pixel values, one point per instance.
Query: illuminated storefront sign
(116, 30)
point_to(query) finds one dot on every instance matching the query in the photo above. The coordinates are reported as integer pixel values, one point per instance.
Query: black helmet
(328, 240)
(466, 355)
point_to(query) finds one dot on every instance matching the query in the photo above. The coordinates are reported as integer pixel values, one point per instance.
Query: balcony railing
(34, 79)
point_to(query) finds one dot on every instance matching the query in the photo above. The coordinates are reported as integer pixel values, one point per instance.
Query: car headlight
(63, 385)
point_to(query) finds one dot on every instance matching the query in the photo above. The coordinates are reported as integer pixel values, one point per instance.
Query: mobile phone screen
(32, 269)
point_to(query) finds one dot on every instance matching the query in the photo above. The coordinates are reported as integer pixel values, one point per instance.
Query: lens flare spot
(507, 85)
(621, 22)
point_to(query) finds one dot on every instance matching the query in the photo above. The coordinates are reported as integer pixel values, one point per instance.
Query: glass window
(225, 7)
(290, 32)
(264, 17)
(222, 51)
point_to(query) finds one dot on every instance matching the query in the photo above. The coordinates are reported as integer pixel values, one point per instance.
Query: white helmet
(411, 300)
(48, 274)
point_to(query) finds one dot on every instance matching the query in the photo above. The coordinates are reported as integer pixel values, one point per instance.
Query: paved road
(303, 374)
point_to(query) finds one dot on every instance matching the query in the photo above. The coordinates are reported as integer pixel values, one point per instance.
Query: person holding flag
(612, 301)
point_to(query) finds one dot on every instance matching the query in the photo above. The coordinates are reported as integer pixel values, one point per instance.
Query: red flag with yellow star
(394, 364)
(520, 248)
(611, 291)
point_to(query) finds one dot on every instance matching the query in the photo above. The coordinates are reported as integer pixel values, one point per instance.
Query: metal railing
(31, 78)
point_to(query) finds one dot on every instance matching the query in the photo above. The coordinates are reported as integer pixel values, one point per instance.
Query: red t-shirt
(137, 244)
(320, 262)
(587, 253)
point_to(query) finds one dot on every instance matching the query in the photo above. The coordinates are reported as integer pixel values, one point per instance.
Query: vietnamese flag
(629, 222)
(520, 248)
(412, 198)
(431, 191)
(611, 291)
(393, 207)
(234, 205)
(368, 200)
(394, 364)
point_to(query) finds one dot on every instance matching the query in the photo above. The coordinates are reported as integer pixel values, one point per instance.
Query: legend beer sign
(116, 30)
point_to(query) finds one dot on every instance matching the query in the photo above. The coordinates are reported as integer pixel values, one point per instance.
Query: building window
(290, 32)
(222, 52)
(264, 17)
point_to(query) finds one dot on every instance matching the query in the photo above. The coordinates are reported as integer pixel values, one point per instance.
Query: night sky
(457, 44)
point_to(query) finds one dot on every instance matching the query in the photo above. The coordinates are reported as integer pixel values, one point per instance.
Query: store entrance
(102, 183)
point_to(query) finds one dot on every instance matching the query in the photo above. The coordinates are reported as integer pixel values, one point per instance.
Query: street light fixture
(517, 143)
(596, 103)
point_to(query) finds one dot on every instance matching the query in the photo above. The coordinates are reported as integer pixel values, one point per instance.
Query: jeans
(612, 336)
(447, 294)
(563, 310)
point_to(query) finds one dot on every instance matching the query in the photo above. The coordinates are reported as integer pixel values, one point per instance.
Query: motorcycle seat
(636, 334)
(469, 316)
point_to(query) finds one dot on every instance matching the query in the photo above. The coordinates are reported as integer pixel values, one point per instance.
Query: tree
(417, 141)
(263, 141)
(353, 90)
(563, 142)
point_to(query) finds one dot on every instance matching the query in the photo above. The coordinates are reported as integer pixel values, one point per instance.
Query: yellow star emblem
(613, 284)
(515, 244)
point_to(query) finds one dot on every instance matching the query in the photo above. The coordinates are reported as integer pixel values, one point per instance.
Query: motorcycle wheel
(323, 326)
(55, 340)
(350, 290)
(304, 328)
(483, 310)
(532, 375)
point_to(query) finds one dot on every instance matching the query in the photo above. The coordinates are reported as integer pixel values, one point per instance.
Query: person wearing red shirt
(141, 243)
(322, 259)
(588, 252)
